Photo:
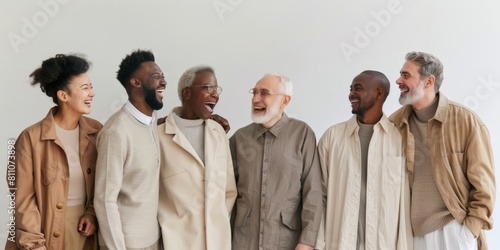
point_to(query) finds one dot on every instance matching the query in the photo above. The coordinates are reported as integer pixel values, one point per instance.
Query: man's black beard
(150, 98)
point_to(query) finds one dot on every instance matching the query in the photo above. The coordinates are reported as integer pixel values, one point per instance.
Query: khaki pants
(73, 239)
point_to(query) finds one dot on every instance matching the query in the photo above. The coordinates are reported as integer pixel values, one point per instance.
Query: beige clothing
(428, 211)
(387, 199)
(73, 239)
(127, 171)
(154, 246)
(196, 197)
(461, 159)
(42, 175)
(76, 189)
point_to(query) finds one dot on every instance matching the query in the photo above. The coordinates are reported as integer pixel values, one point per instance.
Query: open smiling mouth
(259, 109)
(210, 106)
(160, 92)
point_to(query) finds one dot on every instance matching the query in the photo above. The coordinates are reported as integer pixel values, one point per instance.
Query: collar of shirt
(383, 123)
(275, 130)
(144, 119)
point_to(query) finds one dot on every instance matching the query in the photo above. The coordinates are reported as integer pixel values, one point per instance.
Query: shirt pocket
(242, 215)
(392, 170)
(49, 173)
(242, 233)
(168, 170)
(290, 165)
(291, 220)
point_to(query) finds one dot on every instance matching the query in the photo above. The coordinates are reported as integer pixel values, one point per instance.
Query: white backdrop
(321, 45)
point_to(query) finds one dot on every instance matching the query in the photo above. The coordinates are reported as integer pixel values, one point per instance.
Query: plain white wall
(320, 45)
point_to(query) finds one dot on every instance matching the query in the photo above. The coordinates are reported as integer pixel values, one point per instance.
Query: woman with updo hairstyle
(55, 164)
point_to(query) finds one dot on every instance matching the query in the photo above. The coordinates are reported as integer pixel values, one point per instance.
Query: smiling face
(410, 84)
(200, 99)
(79, 94)
(363, 94)
(152, 84)
(268, 101)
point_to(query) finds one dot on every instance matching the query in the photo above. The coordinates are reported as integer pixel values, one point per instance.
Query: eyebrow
(263, 89)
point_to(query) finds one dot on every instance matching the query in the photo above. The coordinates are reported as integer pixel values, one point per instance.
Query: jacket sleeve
(108, 182)
(231, 191)
(323, 161)
(481, 175)
(312, 194)
(27, 215)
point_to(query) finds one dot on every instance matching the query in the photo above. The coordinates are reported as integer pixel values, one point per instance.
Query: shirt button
(56, 234)
(59, 206)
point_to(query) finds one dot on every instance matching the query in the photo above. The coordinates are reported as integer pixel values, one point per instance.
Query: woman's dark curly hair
(56, 72)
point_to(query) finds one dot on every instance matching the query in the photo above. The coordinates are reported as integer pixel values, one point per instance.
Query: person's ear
(380, 93)
(286, 101)
(62, 95)
(135, 83)
(430, 81)
(186, 94)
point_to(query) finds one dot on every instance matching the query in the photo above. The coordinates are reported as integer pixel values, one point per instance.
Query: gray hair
(189, 75)
(429, 65)
(285, 83)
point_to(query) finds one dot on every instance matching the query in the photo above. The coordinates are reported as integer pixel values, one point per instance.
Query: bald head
(380, 80)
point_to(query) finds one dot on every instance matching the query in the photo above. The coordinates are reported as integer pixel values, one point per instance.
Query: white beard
(271, 112)
(413, 95)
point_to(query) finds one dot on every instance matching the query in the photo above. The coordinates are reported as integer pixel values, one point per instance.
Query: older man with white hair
(280, 198)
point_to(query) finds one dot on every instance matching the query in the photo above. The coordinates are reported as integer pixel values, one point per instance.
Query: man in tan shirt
(449, 159)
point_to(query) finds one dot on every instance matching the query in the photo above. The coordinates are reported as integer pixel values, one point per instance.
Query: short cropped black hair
(131, 63)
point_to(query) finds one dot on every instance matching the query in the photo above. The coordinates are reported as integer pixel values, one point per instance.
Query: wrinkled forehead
(271, 83)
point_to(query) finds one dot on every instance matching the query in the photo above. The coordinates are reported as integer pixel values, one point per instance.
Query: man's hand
(222, 121)
(304, 247)
(86, 226)
(160, 121)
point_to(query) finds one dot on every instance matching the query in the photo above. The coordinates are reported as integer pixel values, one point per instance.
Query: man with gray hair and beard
(449, 159)
(280, 197)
